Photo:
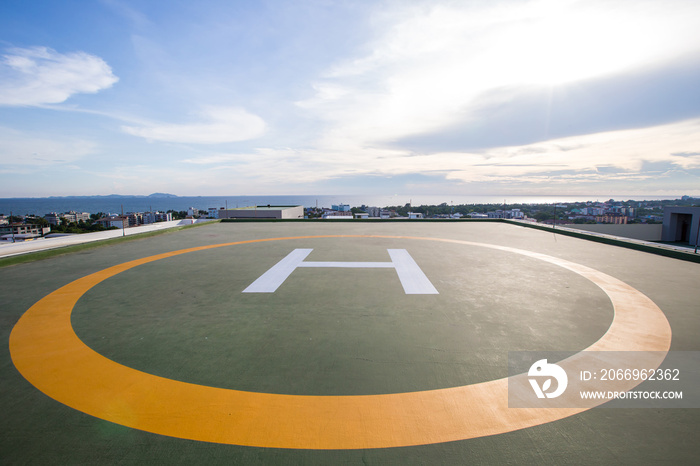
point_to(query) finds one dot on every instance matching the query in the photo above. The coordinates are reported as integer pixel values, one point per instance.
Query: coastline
(40, 206)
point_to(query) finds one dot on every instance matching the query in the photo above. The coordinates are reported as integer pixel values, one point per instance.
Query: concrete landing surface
(327, 343)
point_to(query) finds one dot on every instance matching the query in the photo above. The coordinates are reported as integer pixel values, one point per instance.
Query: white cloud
(426, 69)
(218, 125)
(22, 149)
(39, 75)
(429, 63)
(135, 17)
(594, 158)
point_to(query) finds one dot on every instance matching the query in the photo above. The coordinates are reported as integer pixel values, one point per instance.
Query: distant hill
(118, 196)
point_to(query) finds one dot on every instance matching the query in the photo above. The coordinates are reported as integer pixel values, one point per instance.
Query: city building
(112, 221)
(513, 213)
(617, 219)
(134, 218)
(268, 211)
(22, 232)
(71, 217)
(75, 217)
(681, 224)
(154, 217)
(145, 218)
(53, 218)
(593, 211)
(338, 215)
(373, 211)
(341, 207)
(213, 212)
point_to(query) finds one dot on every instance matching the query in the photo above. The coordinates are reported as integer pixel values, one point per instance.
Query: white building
(74, 216)
(339, 215)
(513, 213)
(117, 221)
(154, 217)
(373, 211)
(593, 211)
(261, 212)
(53, 218)
(71, 217)
(22, 232)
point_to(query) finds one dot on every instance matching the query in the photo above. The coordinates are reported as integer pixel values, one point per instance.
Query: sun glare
(564, 45)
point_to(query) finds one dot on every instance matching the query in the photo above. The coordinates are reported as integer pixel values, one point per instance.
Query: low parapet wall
(635, 231)
(639, 245)
(10, 249)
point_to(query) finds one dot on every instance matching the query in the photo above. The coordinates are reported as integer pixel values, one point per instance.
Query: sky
(471, 97)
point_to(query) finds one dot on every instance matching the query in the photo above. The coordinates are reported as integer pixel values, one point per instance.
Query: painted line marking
(350, 265)
(412, 278)
(273, 278)
(47, 352)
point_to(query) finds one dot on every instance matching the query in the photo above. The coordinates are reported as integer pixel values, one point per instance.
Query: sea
(40, 206)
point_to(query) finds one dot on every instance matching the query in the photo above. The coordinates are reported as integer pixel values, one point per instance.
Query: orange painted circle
(49, 354)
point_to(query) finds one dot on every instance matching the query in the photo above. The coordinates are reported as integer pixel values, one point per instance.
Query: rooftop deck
(338, 329)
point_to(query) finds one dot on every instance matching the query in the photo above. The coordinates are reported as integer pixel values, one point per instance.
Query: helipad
(157, 350)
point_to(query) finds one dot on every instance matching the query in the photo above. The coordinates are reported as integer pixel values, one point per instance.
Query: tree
(37, 221)
(541, 216)
(178, 215)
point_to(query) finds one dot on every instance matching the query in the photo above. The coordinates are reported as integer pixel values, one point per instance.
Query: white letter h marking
(411, 276)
